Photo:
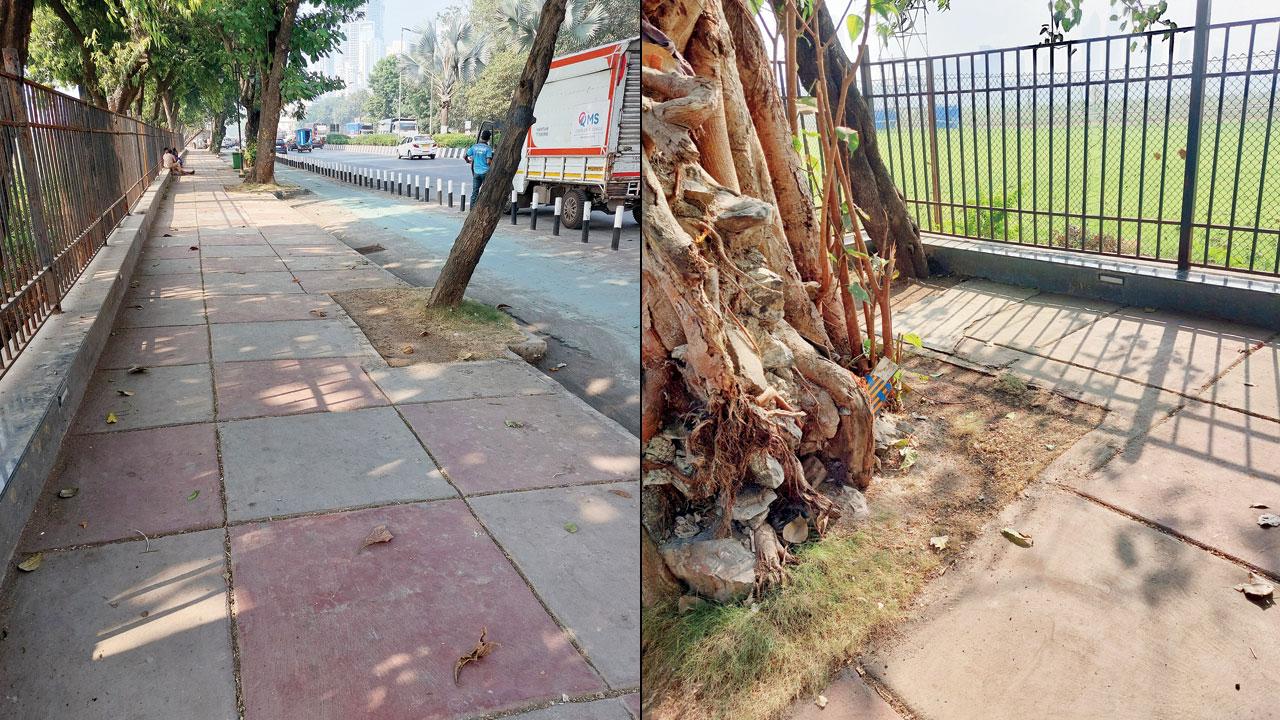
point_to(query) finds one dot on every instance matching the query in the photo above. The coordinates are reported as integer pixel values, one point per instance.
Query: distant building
(363, 47)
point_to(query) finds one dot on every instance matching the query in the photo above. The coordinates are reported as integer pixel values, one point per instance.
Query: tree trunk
(218, 132)
(479, 225)
(445, 102)
(748, 367)
(873, 188)
(264, 166)
(15, 28)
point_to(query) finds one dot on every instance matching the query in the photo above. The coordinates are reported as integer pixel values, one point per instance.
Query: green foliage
(489, 97)
(337, 139)
(383, 139)
(582, 19)
(455, 140)
(385, 86)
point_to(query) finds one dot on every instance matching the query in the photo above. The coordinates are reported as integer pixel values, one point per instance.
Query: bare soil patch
(405, 331)
(971, 443)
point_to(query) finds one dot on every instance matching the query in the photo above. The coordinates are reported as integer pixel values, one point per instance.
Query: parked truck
(585, 140)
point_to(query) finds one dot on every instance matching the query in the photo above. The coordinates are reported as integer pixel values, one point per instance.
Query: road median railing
(448, 195)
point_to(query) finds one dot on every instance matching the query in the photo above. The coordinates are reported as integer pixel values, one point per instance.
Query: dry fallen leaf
(379, 534)
(557, 366)
(125, 393)
(407, 349)
(31, 563)
(821, 701)
(1269, 520)
(482, 648)
(939, 542)
(424, 333)
(111, 418)
(193, 247)
(620, 492)
(466, 355)
(70, 492)
(1017, 538)
(1257, 587)
(1259, 506)
(319, 313)
(137, 370)
(84, 524)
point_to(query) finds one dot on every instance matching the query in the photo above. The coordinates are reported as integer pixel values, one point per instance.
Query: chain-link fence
(69, 172)
(1083, 145)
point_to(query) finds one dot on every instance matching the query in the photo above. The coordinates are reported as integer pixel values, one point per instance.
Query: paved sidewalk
(1124, 607)
(211, 564)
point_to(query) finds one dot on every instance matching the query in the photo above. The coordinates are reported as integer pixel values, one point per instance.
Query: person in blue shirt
(478, 156)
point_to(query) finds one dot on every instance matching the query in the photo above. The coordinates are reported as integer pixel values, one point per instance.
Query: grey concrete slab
(609, 709)
(208, 240)
(324, 461)
(237, 251)
(160, 312)
(117, 632)
(1180, 353)
(433, 382)
(299, 238)
(167, 266)
(1038, 321)
(154, 346)
(331, 281)
(186, 285)
(941, 320)
(180, 252)
(1253, 386)
(184, 239)
(251, 283)
(849, 697)
(589, 578)
(243, 264)
(329, 248)
(1102, 618)
(288, 339)
(348, 261)
(1197, 473)
(267, 308)
(161, 396)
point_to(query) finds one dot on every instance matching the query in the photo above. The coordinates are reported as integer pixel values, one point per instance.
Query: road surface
(584, 298)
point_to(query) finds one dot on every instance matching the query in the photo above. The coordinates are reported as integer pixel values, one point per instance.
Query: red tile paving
(327, 630)
(493, 444)
(130, 482)
(287, 387)
(154, 346)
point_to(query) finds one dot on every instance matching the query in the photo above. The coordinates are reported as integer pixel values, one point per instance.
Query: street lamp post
(400, 75)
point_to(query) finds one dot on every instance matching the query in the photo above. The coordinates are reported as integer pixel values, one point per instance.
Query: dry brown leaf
(796, 531)
(1257, 587)
(1017, 538)
(379, 534)
(319, 313)
(125, 393)
(482, 648)
(69, 492)
(620, 493)
(407, 349)
(31, 563)
(137, 370)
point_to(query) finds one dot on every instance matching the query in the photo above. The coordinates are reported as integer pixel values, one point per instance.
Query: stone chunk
(722, 570)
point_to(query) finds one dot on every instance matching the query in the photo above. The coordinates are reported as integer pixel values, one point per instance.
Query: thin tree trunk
(479, 225)
(218, 132)
(90, 84)
(264, 166)
(873, 188)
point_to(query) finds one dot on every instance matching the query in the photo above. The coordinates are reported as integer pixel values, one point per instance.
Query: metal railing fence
(69, 172)
(1093, 146)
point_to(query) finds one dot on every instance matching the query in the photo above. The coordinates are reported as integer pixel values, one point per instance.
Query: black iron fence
(1095, 145)
(69, 172)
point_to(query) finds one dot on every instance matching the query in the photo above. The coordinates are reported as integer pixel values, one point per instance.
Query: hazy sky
(975, 24)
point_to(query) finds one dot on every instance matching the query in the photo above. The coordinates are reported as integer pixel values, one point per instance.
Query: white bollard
(617, 226)
(439, 194)
(450, 193)
(514, 209)
(555, 218)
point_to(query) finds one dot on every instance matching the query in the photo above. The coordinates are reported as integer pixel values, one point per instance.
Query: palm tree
(582, 18)
(449, 53)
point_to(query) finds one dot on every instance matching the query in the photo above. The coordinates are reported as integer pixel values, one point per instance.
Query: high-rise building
(362, 48)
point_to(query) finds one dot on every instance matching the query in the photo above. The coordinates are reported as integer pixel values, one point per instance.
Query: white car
(416, 146)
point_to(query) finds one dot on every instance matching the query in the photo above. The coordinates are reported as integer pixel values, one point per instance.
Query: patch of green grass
(750, 661)
(472, 312)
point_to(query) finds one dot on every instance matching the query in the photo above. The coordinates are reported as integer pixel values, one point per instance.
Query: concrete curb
(41, 392)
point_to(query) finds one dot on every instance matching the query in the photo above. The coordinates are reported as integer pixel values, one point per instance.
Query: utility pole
(400, 74)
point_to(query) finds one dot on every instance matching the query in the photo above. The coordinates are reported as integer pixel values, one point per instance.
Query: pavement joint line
(543, 705)
(881, 688)
(568, 633)
(336, 511)
(1166, 530)
(589, 483)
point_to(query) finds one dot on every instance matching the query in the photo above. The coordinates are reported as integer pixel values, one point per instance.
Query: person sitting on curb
(173, 164)
(478, 157)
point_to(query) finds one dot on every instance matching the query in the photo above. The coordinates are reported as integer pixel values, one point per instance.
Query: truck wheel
(571, 209)
(635, 212)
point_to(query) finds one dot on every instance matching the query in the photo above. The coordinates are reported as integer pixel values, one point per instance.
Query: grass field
(1050, 188)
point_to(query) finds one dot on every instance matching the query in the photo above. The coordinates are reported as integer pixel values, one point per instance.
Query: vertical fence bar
(1199, 61)
(936, 215)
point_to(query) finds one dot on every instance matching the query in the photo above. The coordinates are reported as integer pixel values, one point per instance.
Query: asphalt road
(446, 169)
(584, 298)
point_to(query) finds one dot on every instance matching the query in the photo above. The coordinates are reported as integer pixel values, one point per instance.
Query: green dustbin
(237, 160)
